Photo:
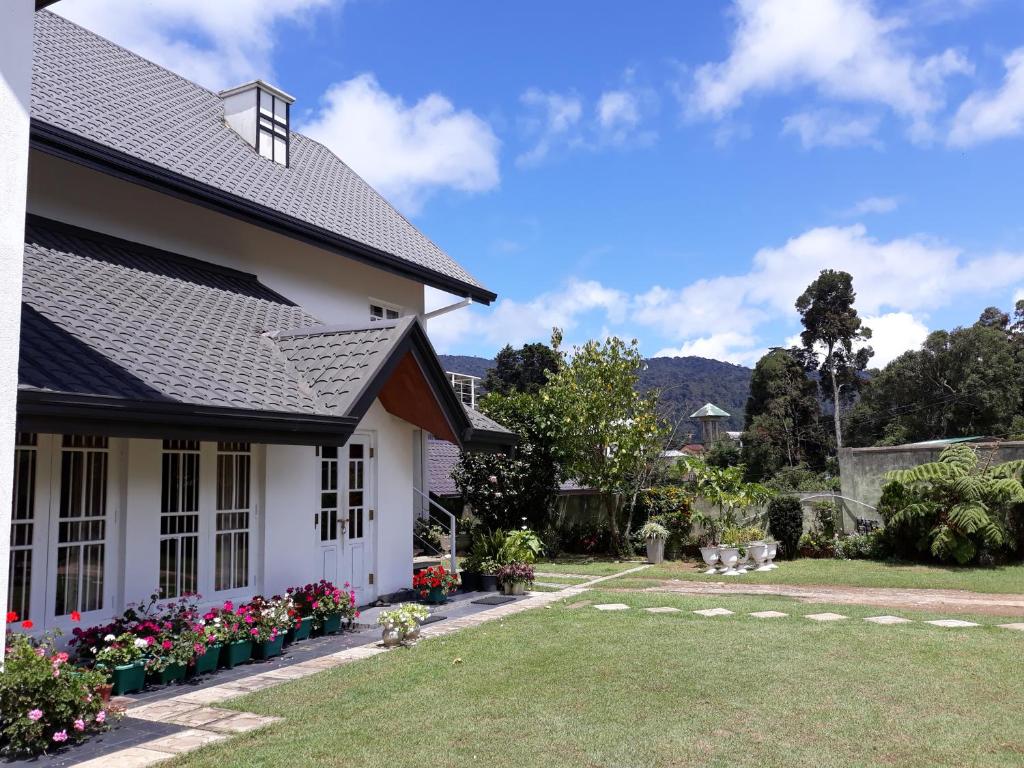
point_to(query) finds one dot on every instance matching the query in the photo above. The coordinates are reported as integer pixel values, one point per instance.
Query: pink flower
(167, 645)
(61, 657)
(316, 605)
(40, 652)
(150, 640)
(199, 648)
(228, 605)
(249, 620)
(101, 716)
(254, 632)
(79, 724)
(35, 714)
(60, 736)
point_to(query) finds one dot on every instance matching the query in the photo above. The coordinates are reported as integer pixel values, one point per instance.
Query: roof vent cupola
(260, 113)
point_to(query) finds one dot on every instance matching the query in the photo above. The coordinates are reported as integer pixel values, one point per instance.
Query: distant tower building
(710, 418)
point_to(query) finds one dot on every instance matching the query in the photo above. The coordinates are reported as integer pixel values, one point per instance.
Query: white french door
(346, 521)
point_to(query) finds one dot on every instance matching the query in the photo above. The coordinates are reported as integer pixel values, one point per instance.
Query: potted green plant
(401, 624)
(122, 659)
(435, 583)
(469, 573)
(654, 535)
(515, 577)
(489, 575)
(234, 631)
(170, 659)
(273, 618)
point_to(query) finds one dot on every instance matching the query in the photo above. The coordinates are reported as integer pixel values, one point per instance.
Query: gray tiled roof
(441, 458)
(86, 85)
(104, 318)
(481, 422)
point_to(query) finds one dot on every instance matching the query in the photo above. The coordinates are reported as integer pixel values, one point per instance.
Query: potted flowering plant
(273, 618)
(514, 577)
(45, 702)
(122, 659)
(234, 631)
(301, 616)
(435, 583)
(402, 623)
(489, 574)
(327, 604)
(654, 535)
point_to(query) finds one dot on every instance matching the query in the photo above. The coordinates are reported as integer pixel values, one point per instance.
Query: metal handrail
(451, 518)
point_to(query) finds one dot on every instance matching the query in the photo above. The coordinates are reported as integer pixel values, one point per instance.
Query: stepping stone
(825, 616)
(1019, 626)
(714, 612)
(952, 623)
(769, 615)
(888, 620)
(612, 607)
(663, 609)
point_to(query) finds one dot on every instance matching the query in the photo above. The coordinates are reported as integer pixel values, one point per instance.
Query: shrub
(668, 506)
(513, 573)
(786, 523)
(653, 530)
(862, 546)
(44, 701)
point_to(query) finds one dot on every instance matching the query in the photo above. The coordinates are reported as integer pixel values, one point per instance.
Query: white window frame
(250, 508)
(24, 525)
(386, 307)
(183, 519)
(272, 127)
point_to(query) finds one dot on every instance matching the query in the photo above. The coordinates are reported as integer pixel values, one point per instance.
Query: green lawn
(857, 573)
(565, 687)
(586, 565)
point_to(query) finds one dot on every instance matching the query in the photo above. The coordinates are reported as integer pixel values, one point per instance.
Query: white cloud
(1019, 295)
(406, 151)
(566, 120)
(893, 334)
(871, 205)
(217, 44)
(841, 48)
(731, 347)
(824, 128)
(987, 115)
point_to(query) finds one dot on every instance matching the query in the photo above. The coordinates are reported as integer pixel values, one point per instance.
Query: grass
(564, 687)
(586, 565)
(856, 573)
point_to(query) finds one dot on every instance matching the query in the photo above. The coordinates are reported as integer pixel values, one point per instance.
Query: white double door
(345, 522)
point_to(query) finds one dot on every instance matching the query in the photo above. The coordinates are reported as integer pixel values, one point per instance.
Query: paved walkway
(937, 600)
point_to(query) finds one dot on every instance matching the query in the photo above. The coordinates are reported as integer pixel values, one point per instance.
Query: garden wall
(862, 470)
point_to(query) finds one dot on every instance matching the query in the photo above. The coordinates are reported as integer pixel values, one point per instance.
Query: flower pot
(233, 654)
(411, 635)
(470, 581)
(729, 557)
(514, 588)
(206, 662)
(655, 550)
(169, 674)
(391, 636)
(269, 648)
(773, 550)
(128, 678)
(710, 555)
(759, 554)
(103, 691)
(332, 624)
(437, 595)
(488, 582)
(300, 631)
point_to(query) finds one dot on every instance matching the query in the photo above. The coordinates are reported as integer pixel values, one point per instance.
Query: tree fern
(961, 503)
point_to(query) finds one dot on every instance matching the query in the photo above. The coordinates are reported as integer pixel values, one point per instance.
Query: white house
(224, 382)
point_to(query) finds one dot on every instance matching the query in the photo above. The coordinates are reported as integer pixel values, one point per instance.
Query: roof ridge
(327, 329)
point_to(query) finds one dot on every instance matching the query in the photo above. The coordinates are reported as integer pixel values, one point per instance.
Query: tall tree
(783, 415)
(832, 325)
(607, 434)
(521, 370)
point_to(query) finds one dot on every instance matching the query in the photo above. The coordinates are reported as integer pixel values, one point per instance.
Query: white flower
(93, 649)
(109, 639)
(140, 643)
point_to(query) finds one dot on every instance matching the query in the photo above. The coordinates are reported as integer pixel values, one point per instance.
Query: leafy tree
(723, 488)
(832, 324)
(524, 484)
(956, 506)
(783, 416)
(521, 370)
(723, 453)
(965, 382)
(606, 433)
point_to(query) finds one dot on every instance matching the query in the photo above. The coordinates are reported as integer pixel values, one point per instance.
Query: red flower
(76, 616)
(11, 617)
(27, 624)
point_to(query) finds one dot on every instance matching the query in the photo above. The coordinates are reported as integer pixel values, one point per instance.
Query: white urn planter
(744, 562)
(773, 548)
(655, 550)
(710, 555)
(729, 556)
(758, 553)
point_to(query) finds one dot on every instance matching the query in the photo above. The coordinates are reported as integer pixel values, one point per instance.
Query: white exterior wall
(333, 288)
(293, 486)
(16, 21)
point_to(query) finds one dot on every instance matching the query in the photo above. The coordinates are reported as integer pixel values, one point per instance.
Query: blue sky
(671, 171)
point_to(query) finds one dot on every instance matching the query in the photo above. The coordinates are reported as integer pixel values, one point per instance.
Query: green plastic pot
(169, 674)
(235, 653)
(301, 632)
(207, 661)
(128, 678)
(268, 649)
(332, 624)
(437, 595)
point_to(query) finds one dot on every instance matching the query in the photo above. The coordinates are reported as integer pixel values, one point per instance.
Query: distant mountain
(686, 383)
